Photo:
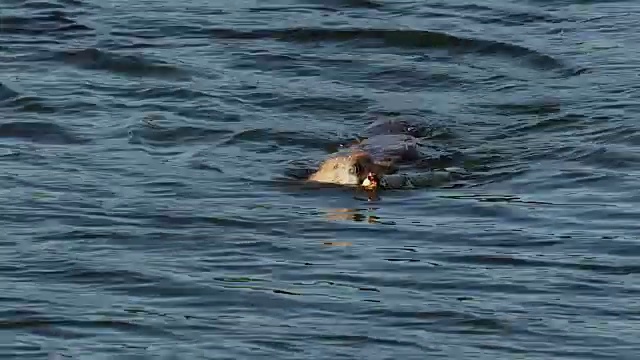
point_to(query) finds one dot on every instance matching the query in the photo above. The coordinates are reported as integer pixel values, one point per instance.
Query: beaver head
(350, 169)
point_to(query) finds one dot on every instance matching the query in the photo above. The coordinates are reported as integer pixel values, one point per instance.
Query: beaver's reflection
(357, 215)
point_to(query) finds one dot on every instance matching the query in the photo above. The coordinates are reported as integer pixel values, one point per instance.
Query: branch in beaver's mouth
(370, 182)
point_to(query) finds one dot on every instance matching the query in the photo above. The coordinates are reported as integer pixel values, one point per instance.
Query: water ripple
(154, 202)
(132, 65)
(395, 38)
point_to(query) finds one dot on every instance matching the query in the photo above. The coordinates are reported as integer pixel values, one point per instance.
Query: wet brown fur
(350, 169)
(386, 144)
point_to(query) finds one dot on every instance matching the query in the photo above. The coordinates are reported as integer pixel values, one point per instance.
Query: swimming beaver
(351, 169)
(372, 163)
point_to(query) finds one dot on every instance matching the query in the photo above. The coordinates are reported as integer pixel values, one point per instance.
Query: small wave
(512, 261)
(60, 326)
(294, 64)
(400, 79)
(321, 5)
(134, 65)
(312, 104)
(40, 132)
(290, 9)
(152, 134)
(443, 318)
(31, 104)
(565, 122)
(6, 93)
(396, 38)
(609, 157)
(396, 78)
(283, 138)
(356, 4)
(12, 99)
(171, 92)
(498, 15)
(367, 4)
(42, 5)
(54, 22)
(72, 2)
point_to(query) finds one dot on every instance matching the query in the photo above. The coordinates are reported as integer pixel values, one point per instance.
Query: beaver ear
(356, 168)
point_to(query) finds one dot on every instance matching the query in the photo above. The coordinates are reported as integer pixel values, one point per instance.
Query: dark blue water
(148, 209)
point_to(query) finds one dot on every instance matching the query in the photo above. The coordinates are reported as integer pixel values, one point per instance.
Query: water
(149, 211)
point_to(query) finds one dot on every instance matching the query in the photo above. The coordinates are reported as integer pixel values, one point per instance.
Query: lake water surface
(148, 208)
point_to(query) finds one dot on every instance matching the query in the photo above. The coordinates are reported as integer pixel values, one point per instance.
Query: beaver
(351, 169)
(374, 161)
